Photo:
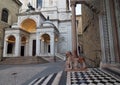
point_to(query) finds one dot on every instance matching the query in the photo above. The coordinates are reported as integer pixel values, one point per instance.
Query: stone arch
(45, 42)
(29, 25)
(45, 37)
(23, 39)
(11, 39)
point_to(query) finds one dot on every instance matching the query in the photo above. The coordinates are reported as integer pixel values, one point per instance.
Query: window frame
(4, 15)
(39, 3)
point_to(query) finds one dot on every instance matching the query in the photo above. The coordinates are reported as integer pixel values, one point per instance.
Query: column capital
(73, 3)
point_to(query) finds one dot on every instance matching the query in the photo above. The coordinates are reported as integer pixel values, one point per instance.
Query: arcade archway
(11, 44)
(45, 44)
(29, 25)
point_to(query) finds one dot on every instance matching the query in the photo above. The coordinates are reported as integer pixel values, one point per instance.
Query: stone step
(23, 60)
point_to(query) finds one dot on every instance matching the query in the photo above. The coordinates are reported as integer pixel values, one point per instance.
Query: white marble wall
(59, 17)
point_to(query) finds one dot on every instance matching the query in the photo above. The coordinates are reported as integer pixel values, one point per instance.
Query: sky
(78, 9)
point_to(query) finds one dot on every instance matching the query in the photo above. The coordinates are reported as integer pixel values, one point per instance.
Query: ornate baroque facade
(43, 29)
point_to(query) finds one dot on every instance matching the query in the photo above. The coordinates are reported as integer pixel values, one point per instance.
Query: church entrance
(11, 44)
(34, 48)
(48, 48)
(22, 50)
(23, 45)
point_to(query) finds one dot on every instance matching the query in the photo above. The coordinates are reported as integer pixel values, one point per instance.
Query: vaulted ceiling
(29, 25)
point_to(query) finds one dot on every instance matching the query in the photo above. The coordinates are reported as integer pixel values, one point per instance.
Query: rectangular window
(39, 3)
(4, 15)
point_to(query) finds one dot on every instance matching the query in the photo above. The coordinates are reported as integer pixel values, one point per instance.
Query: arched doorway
(11, 44)
(45, 44)
(23, 45)
(29, 25)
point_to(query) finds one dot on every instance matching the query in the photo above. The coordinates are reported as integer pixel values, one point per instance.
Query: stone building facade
(8, 11)
(91, 34)
(43, 28)
(101, 31)
(101, 37)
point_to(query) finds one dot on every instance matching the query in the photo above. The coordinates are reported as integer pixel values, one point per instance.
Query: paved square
(94, 76)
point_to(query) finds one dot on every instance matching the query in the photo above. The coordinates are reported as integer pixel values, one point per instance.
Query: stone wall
(12, 8)
(101, 31)
(91, 35)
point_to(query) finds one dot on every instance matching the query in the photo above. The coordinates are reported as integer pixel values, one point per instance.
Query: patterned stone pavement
(94, 76)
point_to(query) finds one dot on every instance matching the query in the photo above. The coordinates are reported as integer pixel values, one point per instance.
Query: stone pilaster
(37, 45)
(17, 45)
(52, 44)
(74, 33)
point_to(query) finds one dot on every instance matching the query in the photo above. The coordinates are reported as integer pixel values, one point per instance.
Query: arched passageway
(45, 44)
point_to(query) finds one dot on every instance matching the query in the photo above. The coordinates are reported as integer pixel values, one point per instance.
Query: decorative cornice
(18, 2)
(31, 13)
(73, 2)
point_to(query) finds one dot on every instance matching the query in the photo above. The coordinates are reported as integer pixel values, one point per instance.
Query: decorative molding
(18, 2)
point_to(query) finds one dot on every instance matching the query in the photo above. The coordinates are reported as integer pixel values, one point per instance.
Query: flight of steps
(23, 60)
(61, 56)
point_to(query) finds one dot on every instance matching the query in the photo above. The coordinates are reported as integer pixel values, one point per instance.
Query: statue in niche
(48, 18)
(50, 2)
(30, 7)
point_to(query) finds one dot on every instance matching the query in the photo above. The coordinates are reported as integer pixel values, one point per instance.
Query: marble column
(26, 49)
(115, 31)
(5, 47)
(103, 58)
(40, 46)
(74, 33)
(30, 47)
(52, 44)
(37, 45)
(17, 45)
